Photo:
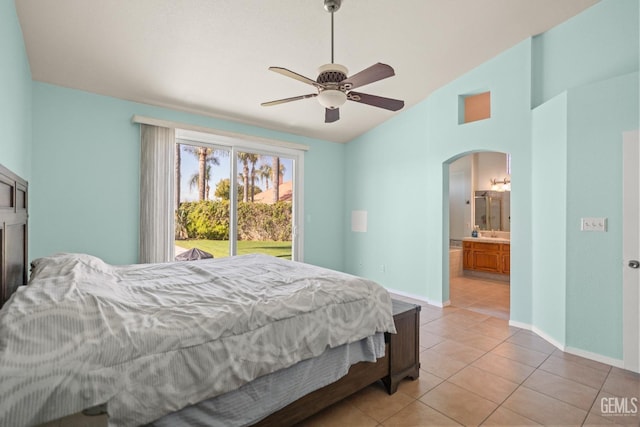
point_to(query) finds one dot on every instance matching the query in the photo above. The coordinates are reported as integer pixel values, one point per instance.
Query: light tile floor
(480, 295)
(478, 370)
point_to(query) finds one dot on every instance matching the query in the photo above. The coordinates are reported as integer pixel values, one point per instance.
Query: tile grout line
(455, 373)
(600, 390)
(441, 413)
(482, 397)
(516, 389)
(468, 308)
(520, 384)
(569, 379)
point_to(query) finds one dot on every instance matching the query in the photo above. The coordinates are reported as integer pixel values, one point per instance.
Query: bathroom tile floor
(478, 370)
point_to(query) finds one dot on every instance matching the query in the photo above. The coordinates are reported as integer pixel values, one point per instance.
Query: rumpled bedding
(261, 397)
(149, 339)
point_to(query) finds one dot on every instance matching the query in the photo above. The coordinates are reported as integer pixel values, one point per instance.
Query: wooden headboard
(13, 233)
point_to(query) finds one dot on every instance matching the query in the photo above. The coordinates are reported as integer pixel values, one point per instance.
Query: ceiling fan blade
(376, 101)
(282, 101)
(331, 115)
(299, 77)
(372, 74)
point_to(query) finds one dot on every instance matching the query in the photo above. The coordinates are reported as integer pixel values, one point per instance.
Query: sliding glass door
(236, 198)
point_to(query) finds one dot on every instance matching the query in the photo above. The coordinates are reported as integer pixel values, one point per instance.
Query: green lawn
(220, 248)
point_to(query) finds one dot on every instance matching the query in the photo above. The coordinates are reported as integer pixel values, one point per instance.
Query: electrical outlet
(593, 224)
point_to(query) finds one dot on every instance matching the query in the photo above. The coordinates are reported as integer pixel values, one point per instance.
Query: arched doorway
(477, 203)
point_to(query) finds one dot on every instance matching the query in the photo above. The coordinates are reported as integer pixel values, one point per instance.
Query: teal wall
(549, 213)
(598, 115)
(15, 94)
(600, 43)
(85, 180)
(398, 173)
(382, 172)
(582, 76)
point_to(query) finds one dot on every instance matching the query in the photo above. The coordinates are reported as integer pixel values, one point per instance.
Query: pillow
(55, 264)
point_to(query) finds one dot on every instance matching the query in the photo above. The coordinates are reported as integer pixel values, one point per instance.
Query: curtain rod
(241, 136)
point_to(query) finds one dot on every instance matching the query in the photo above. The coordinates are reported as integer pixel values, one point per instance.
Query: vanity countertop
(487, 239)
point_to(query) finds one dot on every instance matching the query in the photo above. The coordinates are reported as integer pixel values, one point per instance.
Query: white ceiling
(211, 56)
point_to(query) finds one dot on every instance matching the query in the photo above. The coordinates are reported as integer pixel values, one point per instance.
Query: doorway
(479, 196)
(631, 251)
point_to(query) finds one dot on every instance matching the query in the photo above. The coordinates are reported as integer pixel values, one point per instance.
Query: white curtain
(157, 151)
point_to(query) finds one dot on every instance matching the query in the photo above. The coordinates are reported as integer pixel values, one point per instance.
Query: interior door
(631, 251)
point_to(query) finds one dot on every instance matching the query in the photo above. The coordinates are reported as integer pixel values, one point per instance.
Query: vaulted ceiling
(211, 57)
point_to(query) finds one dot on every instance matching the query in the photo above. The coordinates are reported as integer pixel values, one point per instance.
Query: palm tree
(253, 158)
(276, 180)
(264, 173)
(195, 181)
(205, 156)
(244, 158)
(248, 173)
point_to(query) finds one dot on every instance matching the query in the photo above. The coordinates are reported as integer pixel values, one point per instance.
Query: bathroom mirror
(492, 210)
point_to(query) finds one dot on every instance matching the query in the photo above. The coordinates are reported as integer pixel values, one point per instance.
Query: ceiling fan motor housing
(333, 95)
(331, 73)
(328, 77)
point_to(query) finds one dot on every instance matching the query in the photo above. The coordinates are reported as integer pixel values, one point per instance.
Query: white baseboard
(419, 298)
(520, 325)
(618, 363)
(557, 344)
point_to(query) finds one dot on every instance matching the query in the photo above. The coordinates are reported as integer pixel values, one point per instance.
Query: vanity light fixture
(501, 184)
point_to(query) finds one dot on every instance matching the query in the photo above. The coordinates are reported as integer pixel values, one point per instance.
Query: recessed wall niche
(474, 107)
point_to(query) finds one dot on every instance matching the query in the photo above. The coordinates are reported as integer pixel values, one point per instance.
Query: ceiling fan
(333, 86)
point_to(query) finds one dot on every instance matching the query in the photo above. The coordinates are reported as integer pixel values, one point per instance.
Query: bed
(85, 333)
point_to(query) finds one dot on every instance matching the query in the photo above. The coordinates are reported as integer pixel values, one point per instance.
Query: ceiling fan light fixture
(332, 98)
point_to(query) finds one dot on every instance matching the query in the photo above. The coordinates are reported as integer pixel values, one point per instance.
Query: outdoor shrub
(209, 219)
(260, 221)
(205, 219)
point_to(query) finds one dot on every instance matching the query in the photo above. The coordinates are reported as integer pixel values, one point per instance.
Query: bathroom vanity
(489, 255)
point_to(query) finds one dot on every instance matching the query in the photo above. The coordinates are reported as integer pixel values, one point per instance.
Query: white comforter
(149, 339)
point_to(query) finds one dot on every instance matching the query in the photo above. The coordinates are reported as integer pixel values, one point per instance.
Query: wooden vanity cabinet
(505, 254)
(486, 256)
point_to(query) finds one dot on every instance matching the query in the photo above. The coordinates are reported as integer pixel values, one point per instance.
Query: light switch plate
(593, 224)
